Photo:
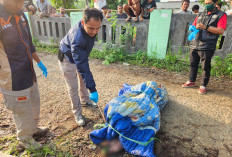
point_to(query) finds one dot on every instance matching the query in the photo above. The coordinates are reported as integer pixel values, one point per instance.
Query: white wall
(175, 6)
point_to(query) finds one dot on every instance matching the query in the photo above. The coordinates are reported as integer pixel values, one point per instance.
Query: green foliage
(222, 67)
(110, 54)
(46, 151)
(224, 3)
(112, 4)
(9, 146)
(113, 21)
(45, 48)
(68, 4)
(176, 62)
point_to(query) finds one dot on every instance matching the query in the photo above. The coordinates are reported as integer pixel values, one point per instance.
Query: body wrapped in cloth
(134, 118)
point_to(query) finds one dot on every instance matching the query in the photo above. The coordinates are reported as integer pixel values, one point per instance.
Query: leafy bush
(176, 62)
(45, 48)
(222, 67)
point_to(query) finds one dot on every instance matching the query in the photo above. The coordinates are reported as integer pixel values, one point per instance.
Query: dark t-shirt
(146, 8)
(123, 16)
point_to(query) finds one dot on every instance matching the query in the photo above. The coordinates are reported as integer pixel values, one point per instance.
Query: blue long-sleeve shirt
(76, 46)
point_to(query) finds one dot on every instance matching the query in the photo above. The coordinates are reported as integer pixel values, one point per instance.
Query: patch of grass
(222, 67)
(175, 62)
(45, 48)
(49, 150)
(9, 146)
(113, 54)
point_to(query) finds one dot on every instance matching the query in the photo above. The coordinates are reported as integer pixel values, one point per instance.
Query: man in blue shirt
(75, 48)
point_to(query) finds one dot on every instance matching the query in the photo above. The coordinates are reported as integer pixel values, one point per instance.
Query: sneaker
(41, 131)
(202, 90)
(79, 120)
(30, 143)
(86, 104)
(188, 84)
(90, 103)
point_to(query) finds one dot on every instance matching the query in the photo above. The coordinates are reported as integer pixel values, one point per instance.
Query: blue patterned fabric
(134, 118)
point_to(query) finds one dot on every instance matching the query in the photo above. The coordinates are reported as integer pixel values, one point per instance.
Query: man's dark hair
(215, 1)
(120, 5)
(188, 1)
(92, 13)
(195, 7)
(219, 4)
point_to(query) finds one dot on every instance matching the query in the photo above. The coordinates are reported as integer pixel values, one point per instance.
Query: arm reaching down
(81, 60)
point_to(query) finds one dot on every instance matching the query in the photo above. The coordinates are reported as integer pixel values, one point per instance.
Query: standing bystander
(211, 23)
(18, 81)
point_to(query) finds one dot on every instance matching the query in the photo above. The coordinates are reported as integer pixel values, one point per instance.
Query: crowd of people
(43, 8)
(134, 8)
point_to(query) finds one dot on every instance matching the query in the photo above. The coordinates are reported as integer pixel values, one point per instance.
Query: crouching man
(17, 76)
(75, 48)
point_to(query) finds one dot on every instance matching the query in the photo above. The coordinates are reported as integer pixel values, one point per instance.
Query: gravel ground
(192, 124)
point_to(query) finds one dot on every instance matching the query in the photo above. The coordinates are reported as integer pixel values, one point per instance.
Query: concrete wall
(179, 32)
(54, 29)
(176, 6)
(49, 30)
(227, 46)
(122, 28)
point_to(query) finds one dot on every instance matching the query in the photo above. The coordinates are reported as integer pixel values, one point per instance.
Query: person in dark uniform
(18, 81)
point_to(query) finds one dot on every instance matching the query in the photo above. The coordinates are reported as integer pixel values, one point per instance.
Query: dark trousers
(205, 58)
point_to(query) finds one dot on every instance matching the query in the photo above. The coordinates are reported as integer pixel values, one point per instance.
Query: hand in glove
(192, 28)
(43, 68)
(193, 33)
(93, 96)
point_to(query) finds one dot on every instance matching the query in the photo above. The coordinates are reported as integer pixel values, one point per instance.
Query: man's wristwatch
(207, 26)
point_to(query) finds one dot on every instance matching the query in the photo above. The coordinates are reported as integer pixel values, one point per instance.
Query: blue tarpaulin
(134, 118)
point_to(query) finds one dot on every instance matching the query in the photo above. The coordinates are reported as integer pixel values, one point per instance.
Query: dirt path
(192, 124)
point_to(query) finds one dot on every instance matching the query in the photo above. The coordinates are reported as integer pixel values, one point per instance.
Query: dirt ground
(192, 124)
